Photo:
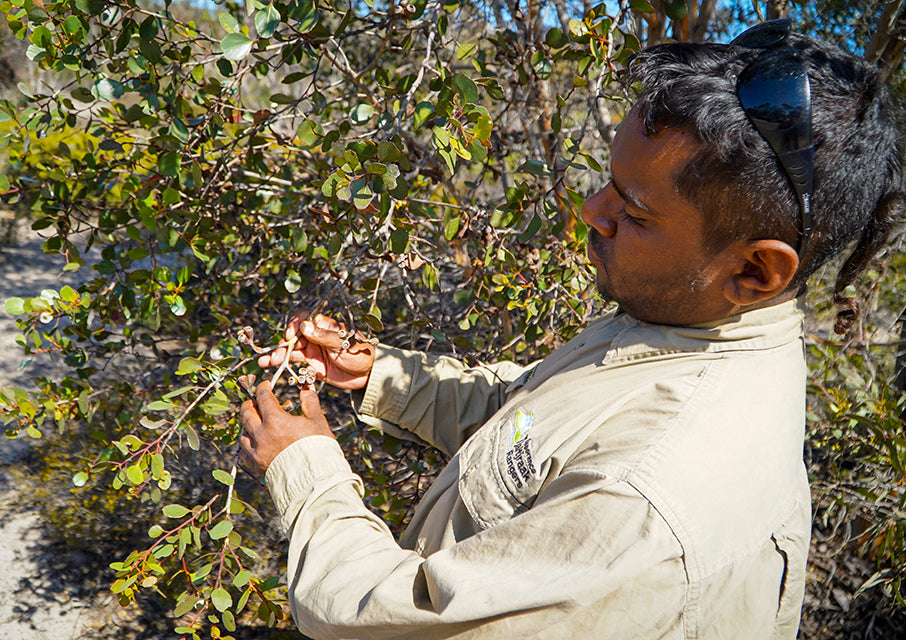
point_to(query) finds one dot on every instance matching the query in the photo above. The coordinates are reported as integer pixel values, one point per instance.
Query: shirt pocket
(792, 543)
(500, 476)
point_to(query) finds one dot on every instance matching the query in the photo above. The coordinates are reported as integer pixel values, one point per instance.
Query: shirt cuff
(293, 473)
(389, 385)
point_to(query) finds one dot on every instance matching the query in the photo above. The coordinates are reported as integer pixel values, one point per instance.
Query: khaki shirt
(643, 481)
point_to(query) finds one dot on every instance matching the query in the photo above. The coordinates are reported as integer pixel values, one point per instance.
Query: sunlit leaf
(236, 46)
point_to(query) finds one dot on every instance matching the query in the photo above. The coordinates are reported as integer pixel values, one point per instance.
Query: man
(645, 480)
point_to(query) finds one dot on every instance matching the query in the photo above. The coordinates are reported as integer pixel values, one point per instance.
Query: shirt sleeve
(436, 400)
(590, 557)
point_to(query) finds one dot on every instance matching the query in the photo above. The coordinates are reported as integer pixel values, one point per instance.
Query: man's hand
(320, 345)
(268, 429)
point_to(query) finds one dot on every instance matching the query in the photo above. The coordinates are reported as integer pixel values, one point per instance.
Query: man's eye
(631, 218)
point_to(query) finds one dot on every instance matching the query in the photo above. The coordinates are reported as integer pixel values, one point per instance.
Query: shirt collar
(764, 328)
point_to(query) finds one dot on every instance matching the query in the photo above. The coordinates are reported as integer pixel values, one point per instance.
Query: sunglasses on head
(774, 92)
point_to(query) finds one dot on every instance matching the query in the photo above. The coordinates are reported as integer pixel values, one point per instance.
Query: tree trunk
(704, 14)
(777, 9)
(888, 43)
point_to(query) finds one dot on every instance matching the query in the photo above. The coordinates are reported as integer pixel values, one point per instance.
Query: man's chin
(605, 292)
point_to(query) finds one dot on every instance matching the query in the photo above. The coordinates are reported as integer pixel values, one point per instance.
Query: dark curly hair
(737, 181)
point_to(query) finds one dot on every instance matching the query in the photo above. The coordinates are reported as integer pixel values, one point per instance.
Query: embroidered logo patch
(519, 463)
(521, 425)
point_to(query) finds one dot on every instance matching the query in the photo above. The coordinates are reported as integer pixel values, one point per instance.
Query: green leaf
(185, 605)
(220, 530)
(223, 477)
(451, 227)
(229, 620)
(15, 306)
(82, 95)
(157, 465)
(577, 30)
(361, 113)
(641, 6)
(531, 230)
(308, 21)
(169, 163)
(483, 126)
(675, 10)
(228, 22)
(221, 599)
(466, 50)
(177, 306)
(429, 277)
(267, 20)
(293, 281)
(423, 111)
(68, 294)
(175, 511)
(188, 365)
(135, 474)
(309, 134)
(80, 479)
(242, 578)
(191, 437)
(236, 46)
(399, 241)
(465, 88)
(536, 167)
(218, 404)
(362, 197)
(555, 38)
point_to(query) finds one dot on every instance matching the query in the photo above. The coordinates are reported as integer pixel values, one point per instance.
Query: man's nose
(599, 211)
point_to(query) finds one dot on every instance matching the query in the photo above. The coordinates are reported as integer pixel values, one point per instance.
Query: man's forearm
(439, 399)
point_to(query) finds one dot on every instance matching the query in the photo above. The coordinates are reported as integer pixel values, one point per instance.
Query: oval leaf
(267, 20)
(236, 46)
(222, 477)
(175, 511)
(220, 530)
(15, 306)
(221, 599)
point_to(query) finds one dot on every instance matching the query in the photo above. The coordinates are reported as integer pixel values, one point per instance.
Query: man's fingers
(325, 337)
(292, 328)
(275, 358)
(246, 443)
(268, 405)
(326, 322)
(249, 416)
(310, 404)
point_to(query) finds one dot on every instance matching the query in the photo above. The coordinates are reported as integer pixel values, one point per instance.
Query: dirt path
(35, 603)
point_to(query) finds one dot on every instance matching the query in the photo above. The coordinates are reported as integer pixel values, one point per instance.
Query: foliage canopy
(412, 167)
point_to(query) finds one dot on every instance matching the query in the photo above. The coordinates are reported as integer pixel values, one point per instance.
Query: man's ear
(763, 271)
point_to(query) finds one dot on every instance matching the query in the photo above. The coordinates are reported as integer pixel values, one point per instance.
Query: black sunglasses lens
(764, 35)
(774, 91)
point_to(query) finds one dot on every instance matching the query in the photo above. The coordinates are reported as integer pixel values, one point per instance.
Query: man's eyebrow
(630, 197)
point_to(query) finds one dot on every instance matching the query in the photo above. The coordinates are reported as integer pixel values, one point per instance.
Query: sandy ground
(33, 604)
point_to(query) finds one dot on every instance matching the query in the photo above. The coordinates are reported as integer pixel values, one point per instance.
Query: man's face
(645, 240)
